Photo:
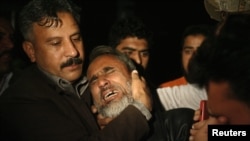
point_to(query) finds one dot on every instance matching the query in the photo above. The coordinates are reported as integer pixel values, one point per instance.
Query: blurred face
(221, 104)
(110, 85)
(6, 46)
(58, 49)
(136, 49)
(190, 45)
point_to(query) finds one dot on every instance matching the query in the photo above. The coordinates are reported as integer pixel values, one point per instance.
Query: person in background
(6, 52)
(191, 39)
(50, 100)
(131, 36)
(179, 93)
(190, 95)
(224, 70)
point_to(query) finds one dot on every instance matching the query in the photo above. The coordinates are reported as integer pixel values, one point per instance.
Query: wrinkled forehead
(106, 60)
(103, 61)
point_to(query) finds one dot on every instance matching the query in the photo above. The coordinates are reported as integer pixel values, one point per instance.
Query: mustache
(72, 61)
(6, 52)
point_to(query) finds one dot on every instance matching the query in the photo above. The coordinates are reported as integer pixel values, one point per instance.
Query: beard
(115, 107)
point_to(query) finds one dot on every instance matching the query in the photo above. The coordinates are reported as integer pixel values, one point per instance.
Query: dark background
(167, 20)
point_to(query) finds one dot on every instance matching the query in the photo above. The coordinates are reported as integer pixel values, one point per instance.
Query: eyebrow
(132, 49)
(105, 69)
(128, 48)
(59, 37)
(187, 47)
(53, 38)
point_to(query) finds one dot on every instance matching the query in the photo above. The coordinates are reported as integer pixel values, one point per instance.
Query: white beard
(114, 108)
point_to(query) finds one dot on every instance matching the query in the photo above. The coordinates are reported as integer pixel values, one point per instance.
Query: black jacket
(35, 109)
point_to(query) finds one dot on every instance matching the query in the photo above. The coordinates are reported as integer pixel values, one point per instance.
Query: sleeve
(143, 109)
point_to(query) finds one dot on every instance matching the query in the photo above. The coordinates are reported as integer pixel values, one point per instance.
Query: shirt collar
(65, 85)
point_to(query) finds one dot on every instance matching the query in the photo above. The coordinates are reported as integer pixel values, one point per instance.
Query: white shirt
(188, 96)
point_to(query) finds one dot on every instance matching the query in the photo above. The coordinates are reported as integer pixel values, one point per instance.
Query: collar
(77, 88)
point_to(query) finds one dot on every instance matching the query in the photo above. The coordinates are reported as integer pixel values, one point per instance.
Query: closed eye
(76, 37)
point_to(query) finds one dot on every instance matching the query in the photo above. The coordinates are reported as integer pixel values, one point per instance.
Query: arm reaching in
(140, 91)
(199, 129)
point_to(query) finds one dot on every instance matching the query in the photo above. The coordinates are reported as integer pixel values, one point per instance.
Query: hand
(200, 129)
(140, 91)
(102, 121)
(197, 115)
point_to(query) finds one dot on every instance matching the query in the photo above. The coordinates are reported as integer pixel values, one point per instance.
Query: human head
(192, 38)
(110, 80)
(224, 69)
(52, 38)
(130, 35)
(6, 45)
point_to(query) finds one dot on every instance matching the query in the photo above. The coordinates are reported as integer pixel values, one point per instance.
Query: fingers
(197, 115)
(136, 76)
(93, 109)
(198, 125)
(140, 91)
(199, 129)
(103, 121)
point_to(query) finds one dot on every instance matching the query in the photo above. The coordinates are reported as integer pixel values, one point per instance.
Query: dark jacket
(33, 108)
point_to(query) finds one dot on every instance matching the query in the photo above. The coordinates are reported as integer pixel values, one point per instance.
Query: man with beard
(110, 82)
(49, 101)
(6, 48)
(111, 88)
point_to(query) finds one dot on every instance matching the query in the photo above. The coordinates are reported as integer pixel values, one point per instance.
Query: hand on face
(140, 91)
(199, 129)
(101, 120)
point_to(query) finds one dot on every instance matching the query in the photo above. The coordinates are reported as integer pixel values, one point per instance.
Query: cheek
(81, 51)
(187, 57)
(185, 61)
(120, 80)
(95, 93)
(146, 58)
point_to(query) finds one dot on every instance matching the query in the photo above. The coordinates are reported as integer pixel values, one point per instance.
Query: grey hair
(104, 49)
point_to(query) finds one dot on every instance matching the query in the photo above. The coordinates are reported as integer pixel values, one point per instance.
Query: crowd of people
(54, 98)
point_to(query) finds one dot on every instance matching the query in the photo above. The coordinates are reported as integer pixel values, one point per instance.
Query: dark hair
(104, 50)
(199, 29)
(129, 27)
(44, 12)
(226, 57)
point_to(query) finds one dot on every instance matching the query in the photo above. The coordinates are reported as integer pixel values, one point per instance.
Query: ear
(29, 50)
